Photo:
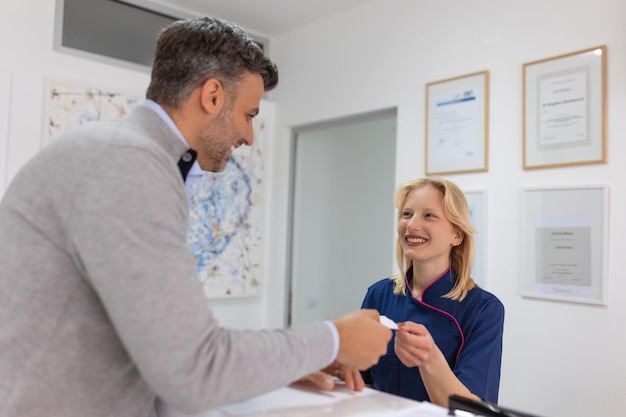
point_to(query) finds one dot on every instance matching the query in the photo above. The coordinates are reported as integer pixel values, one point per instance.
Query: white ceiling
(262, 17)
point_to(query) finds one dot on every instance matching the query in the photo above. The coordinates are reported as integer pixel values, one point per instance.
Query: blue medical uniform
(468, 333)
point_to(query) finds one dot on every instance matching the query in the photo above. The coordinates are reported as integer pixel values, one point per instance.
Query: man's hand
(362, 339)
(325, 378)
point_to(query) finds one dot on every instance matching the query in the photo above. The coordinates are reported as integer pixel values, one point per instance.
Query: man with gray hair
(100, 305)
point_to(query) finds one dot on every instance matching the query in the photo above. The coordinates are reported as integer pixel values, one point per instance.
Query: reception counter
(306, 400)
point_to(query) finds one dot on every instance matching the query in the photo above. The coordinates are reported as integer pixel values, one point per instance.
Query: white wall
(560, 359)
(26, 52)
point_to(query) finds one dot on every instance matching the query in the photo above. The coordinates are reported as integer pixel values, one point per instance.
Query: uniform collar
(440, 286)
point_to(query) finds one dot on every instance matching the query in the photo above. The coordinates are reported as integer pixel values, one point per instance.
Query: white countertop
(306, 400)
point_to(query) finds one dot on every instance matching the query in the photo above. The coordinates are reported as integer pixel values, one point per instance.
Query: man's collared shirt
(194, 176)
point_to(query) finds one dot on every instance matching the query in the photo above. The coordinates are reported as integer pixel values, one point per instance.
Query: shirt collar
(156, 107)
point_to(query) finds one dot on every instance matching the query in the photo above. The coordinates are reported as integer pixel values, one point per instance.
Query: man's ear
(212, 96)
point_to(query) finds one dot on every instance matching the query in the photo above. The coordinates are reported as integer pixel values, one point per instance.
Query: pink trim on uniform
(458, 326)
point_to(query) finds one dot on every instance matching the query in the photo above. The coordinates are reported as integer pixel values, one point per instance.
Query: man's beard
(215, 151)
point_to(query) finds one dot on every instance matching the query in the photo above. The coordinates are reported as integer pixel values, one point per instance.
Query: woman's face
(425, 233)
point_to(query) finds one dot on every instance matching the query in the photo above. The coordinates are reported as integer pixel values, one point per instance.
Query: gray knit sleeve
(128, 232)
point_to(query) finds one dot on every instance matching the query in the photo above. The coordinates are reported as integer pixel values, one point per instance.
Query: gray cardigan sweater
(100, 306)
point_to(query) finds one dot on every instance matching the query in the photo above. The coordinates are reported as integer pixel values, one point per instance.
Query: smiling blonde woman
(449, 337)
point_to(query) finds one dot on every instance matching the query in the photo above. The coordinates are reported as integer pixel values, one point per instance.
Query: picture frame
(477, 202)
(457, 125)
(564, 110)
(226, 234)
(70, 104)
(564, 243)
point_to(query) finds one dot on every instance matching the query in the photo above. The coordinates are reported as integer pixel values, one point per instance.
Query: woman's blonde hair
(457, 211)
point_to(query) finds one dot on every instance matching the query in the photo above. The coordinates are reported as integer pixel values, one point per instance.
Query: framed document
(457, 128)
(564, 110)
(477, 201)
(564, 244)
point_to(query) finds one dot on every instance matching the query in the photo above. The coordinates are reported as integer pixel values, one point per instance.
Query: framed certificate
(477, 201)
(564, 244)
(457, 125)
(564, 110)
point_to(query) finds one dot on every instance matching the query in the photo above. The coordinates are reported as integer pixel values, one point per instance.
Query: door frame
(295, 131)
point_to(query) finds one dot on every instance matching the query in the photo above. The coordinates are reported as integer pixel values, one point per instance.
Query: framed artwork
(477, 201)
(226, 217)
(457, 124)
(564, 244)
(71, 105)
(564, 110)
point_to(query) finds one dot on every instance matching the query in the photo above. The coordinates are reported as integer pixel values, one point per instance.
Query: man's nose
(248, 138)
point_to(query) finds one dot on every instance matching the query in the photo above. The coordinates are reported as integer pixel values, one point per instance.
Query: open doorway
(342, 227)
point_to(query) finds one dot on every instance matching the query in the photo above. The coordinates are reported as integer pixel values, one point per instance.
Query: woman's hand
(414, 345)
